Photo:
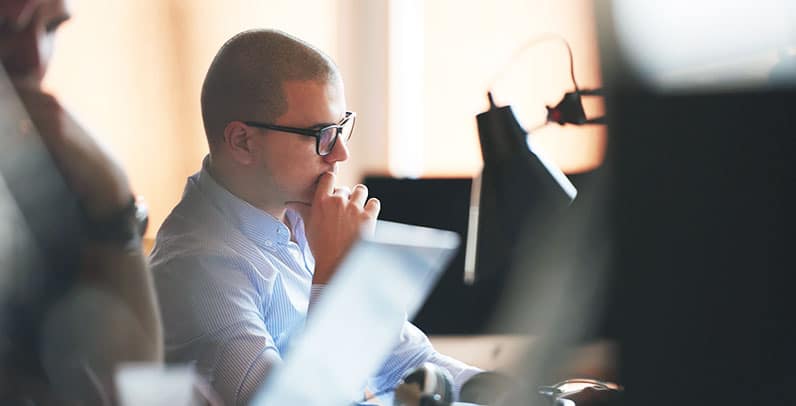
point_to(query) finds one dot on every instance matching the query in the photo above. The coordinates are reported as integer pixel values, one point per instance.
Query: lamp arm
(530, 44)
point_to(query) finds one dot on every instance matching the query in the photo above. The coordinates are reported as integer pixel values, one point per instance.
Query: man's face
(27, 30)
(289, 161)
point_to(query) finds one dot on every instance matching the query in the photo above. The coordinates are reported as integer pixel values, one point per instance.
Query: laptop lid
(352, 329)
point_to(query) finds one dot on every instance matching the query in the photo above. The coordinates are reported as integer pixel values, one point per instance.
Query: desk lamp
(516, 182)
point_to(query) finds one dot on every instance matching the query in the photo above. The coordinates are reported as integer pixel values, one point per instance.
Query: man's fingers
(359, 195)
(343, 191)
(325, 185)
(372, 207)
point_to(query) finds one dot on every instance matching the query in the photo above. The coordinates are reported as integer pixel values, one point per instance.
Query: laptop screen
(383, 280)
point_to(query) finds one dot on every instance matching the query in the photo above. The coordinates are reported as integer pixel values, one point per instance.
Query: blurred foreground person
(76, 297)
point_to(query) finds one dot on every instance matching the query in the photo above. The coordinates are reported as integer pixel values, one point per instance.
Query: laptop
(357, 321)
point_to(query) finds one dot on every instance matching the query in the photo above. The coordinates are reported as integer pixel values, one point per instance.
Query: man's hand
(96, 179)
(333, 221)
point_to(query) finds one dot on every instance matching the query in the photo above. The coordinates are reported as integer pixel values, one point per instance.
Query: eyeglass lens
(329, 136)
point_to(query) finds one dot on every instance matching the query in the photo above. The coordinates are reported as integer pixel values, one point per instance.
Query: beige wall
(116, 69)
(206, 24)
(466, 49)
(132, 71)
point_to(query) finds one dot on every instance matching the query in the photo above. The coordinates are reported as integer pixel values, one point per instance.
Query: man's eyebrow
(321, 125)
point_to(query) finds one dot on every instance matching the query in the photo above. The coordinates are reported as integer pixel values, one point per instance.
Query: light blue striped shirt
(233, 288)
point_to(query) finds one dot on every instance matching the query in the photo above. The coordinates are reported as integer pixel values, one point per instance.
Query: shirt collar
(263, 228)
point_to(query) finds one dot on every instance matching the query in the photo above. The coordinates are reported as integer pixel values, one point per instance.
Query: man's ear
(237, 140)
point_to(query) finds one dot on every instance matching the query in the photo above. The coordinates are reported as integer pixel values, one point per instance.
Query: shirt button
(269, 243)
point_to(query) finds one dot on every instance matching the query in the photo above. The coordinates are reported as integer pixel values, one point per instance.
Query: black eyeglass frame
(313, 132)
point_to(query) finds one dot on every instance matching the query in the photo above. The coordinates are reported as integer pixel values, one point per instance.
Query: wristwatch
(125, 226)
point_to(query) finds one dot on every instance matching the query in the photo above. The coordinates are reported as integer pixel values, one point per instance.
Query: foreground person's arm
(110, 315)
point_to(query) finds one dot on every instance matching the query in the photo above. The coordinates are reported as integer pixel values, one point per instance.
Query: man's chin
(302, 197)
(305, 199)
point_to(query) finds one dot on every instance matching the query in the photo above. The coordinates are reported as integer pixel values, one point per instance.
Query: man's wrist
(124, 226)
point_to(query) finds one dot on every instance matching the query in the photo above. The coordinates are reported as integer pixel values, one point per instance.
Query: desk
(484, 351)
(499, 352)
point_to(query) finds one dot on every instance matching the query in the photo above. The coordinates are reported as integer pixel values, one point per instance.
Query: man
(261, 228)
(79, 299)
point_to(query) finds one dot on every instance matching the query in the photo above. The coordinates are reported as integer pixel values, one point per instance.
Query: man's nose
(339, 153)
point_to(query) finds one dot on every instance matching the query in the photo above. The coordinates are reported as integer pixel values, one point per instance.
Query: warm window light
(464, 54)
(578, 153)
(406, 107)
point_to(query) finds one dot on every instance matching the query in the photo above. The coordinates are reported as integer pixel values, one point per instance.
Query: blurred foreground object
(701, 150)
(75, 294)
(156, 385)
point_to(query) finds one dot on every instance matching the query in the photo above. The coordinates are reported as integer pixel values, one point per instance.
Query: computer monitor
(454, 307)
(702, 218)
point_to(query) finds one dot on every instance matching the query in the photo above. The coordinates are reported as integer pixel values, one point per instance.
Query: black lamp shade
(516, 183)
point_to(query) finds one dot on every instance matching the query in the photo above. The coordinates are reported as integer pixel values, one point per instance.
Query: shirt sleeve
(413, 350)
(460, 372)
(213, 319)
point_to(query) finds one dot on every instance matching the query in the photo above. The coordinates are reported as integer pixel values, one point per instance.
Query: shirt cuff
(315, 292)
(460, 372)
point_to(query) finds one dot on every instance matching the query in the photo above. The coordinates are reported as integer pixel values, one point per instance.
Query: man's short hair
(244, 81)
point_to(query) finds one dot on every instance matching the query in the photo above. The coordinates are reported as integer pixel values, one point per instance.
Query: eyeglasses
(325, 137)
